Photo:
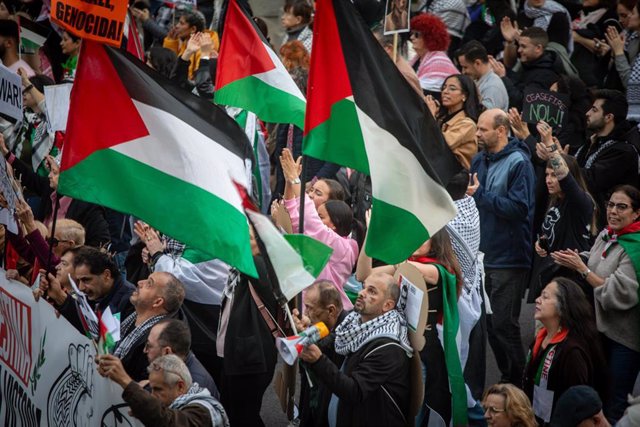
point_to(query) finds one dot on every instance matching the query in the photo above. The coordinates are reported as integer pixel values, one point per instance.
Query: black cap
(576, 405)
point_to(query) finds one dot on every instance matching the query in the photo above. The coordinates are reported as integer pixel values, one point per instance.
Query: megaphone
(290, 347)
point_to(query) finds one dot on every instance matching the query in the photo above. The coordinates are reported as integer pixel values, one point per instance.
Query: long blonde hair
(516, 404)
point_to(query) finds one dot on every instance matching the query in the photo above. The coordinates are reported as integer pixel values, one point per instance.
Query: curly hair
(294, 54)
(432, 30)
(516, 404)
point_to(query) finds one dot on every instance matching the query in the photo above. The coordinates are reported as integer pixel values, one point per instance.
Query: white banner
(10, 93)
(47, 371)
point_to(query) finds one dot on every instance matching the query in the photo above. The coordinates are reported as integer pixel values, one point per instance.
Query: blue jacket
(506, 201)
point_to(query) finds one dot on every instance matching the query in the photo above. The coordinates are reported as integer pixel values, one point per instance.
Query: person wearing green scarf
(445, 394)
(611, 268)
(70, 45)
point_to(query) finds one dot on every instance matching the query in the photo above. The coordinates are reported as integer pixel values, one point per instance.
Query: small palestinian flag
(32, 35)
(250, 75)
(364, 115)
(109, 331)
(155, 151)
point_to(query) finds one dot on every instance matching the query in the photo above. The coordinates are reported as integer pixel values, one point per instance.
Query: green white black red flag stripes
(297, 260)
(363, 114)
(141, 145)
(250, 75)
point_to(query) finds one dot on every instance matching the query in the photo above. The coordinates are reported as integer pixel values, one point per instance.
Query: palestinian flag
(250, 75)
(32, 35)
(109, 331)
(140, 145)
(297, 260)
(364, 115)
(131, 37)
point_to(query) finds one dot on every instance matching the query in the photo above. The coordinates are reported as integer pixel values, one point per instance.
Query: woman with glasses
(457, 114)
(566, 350)
(611, 267)
(430, 41)
(505, 405)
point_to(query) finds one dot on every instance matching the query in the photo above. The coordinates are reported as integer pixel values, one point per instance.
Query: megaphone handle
(293, 325)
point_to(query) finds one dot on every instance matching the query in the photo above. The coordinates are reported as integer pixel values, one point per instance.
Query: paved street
(273, 416)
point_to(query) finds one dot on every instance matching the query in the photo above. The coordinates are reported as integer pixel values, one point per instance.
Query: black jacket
(538, 74)
(614, 165)
(117, 299)
(249, 347)
(314, 401)
(373, 385)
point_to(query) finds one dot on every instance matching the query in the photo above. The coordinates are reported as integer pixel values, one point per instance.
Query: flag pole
(395, 47)
(53, 232)
(303, 184)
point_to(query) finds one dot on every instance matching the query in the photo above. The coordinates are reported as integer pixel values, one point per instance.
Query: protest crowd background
(342, 203)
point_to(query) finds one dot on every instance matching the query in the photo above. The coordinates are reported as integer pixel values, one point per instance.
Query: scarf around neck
(197, 395)
(132, 334)
(542, 17)
(352, 334)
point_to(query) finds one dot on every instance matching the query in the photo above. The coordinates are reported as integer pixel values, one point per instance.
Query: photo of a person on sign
(396, 19)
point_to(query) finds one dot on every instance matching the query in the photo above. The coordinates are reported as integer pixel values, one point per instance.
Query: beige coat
(460, 134)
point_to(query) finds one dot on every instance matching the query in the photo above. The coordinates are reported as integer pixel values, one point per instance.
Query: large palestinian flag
(140, 145)
(250, 75)
(363, 114)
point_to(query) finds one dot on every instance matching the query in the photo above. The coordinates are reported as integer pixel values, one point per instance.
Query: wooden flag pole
(395, 47)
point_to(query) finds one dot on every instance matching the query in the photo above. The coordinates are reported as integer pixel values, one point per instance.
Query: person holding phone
(570, 220)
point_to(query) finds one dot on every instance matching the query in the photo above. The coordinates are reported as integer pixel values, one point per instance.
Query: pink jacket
(345, 249)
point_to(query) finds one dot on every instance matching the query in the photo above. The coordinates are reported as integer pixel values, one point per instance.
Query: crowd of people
(546, 210)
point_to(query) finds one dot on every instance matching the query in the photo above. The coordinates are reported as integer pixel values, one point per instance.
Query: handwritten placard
(540, 104)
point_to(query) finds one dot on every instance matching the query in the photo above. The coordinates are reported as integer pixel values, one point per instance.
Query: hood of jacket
(514, 144)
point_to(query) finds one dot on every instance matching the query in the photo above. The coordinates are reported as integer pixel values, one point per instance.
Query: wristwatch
(552, 148)
(295, 181)
(585, 273)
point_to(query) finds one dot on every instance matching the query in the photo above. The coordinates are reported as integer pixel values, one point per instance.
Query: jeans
(624, 365)
(504, 287)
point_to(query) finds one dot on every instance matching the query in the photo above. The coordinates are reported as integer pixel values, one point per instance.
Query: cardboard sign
(47, 371)
(99, 20)
(396, 16)
(58, 100)
(10, 93)
(406, 275)
(540, 104)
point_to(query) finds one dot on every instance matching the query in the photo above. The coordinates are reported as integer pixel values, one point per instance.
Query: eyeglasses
(618, 206)
(493, 410)
(54, 242)
(416, 34)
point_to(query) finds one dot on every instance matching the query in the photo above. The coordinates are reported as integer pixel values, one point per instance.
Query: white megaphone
(290, 347)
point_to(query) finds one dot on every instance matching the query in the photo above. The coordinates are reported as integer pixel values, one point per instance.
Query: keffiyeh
(352, 334)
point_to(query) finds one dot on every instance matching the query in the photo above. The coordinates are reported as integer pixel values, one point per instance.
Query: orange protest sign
(99, 20)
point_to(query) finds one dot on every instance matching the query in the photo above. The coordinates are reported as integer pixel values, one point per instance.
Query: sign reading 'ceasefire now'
(99, 20)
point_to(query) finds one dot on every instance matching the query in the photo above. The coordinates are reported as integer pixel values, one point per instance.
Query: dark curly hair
(432, 30)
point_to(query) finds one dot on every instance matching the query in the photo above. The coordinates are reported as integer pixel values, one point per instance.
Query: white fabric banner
(47, 371)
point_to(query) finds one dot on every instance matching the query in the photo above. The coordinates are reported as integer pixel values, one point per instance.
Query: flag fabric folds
(139, 144)
(364, 115)
(251, 76)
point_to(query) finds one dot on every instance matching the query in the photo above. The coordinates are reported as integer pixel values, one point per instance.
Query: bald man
(505, 199)
(372, 387)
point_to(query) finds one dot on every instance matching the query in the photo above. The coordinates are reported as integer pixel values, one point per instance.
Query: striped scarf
(201, 396)
(542, 17)
(132, 336)
(352, 334)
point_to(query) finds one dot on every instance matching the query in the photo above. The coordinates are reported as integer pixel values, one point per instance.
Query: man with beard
(372, 386)
(610, 157)
(158, 297)
(9, 41)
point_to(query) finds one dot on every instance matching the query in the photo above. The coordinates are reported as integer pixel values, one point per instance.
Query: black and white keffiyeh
(352, 334)
(464, 230)
(542, 17)
(197, 395)
(131, 333)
